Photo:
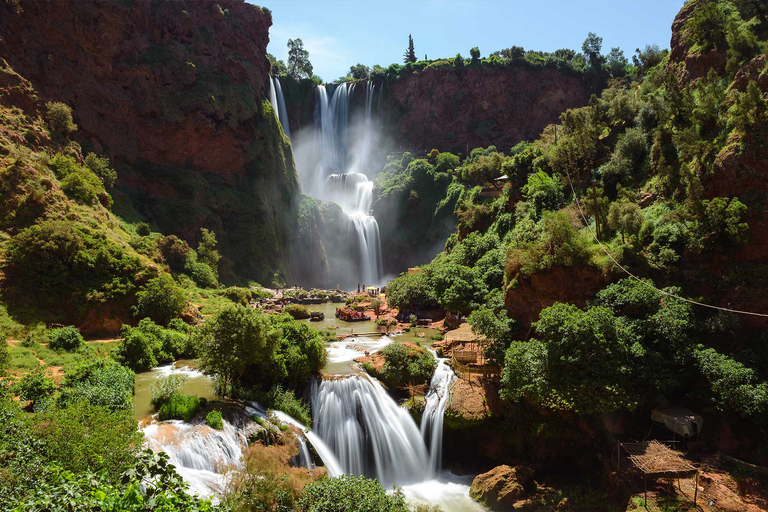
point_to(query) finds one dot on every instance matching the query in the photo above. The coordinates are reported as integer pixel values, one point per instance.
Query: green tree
(101, 382)
(591, 48)
(206, 250)
(278, 66)
(410, 53)
(59, 117)
(100, 167)
(581, 361)
(544, 191)
(732, 386)
(161, 299)
(617, 63)
(359, 71)
(625, 217)
(458, 288)
(66, 338)
(298, 60)
(474, 53)
(236, 337)
(722, 224)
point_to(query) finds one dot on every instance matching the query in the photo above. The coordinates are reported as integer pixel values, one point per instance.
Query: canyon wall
(172, 93)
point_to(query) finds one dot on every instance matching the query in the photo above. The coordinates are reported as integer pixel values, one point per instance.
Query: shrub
(83, 186)
(100, 167)
(163, 389)
(59, 117)
(242, 296)
(446, 162)
(67, 338)
(180, 407)
(285, 400)
(148, 344)
(142, 229)
(35, 336)
(35, 386)
(161, 300)
(405, 365)
(202, 274)
(297, 311)
(86, 437)
(213, 420)
(101, 382)
(350, 494)
(174, 251)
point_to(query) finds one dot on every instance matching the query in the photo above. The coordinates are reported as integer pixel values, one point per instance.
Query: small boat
(316, 316)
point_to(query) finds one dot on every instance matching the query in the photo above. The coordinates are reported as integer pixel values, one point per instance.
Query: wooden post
(695, 489)
(645, 492)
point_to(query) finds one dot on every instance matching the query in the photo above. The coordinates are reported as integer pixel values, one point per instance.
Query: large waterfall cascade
(358, 429)
(340, 172)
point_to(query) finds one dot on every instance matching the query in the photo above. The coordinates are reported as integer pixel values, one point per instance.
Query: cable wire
(641, 281)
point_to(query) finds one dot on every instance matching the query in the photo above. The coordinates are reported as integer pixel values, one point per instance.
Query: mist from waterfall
(335, 165)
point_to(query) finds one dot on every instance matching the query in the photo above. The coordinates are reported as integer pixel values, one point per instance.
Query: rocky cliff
(455, 109)
(172, 92)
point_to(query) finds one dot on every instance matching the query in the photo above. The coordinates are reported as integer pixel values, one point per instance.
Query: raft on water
(316, 316)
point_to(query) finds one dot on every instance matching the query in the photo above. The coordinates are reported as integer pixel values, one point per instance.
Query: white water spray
(341, 177)
(434, 412)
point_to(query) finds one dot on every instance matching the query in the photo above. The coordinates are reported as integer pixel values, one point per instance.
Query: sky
(341, 33)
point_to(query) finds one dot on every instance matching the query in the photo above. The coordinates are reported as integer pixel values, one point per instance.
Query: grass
(26, 359)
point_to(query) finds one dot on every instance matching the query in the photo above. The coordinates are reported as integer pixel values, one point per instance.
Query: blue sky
(340, 33)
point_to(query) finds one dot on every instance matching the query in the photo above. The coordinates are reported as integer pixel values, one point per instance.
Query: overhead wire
(642, 281)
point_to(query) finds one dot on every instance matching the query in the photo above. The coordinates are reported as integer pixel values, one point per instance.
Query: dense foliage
(243, 346)
(629, 179)
(350, 494)
(404, 364)
(148, 344)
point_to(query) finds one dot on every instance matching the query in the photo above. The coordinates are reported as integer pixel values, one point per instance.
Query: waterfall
(199, 452)
(368, 433)
(434, 411)
(278, 104)
(342, 179)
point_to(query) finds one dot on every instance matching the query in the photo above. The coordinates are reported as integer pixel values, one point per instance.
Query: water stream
(341, 172)
(278, 104)
(358, 428)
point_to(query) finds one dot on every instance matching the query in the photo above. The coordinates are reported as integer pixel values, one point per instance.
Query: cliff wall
(172, 92)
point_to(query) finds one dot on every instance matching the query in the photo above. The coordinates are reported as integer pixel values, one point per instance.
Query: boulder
(501, 487)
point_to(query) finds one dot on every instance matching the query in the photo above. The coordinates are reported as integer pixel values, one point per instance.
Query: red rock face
(452, 109)
(694, 65)
(574, 285)
(139, 75)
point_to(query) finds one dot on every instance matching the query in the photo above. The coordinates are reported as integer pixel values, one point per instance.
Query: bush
(35, 336)
(174, 251)
(350, 494)
(147, 345)
(405, 365)
(67, 338)
(213, 420)
(102, 382)
(163, 389)
(35, 386)
(161, 300)
(87, 437)
(83, 186)
(142, 229)
(100, 167)
(59, 117)
(180, 407)
(242, 296)
(446, 162)
(286, 401)
(297, 311)
(202, 274)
